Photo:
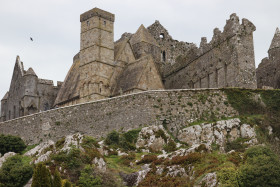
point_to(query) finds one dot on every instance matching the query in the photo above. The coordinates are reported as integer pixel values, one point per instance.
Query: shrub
(14, 172)
(201, 148)
(228, 177)
(112, 138)
(148, 159)
(59, 144)
(89, 142)
(127, 159)
(57, 182)
(9, 143)
(235, 158)
(87, 179)
(41, 176)
(262, 168)
(185, 160)
(237, 145)
(161, 133)
(157, 180)
(70, 160)
(67, 184)
(170, 146)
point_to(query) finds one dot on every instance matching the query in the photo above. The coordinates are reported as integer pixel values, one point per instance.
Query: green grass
(28, 148)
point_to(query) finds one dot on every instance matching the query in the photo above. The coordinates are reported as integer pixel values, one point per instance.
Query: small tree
(57, 182)
(9, 143)
(41, 176)
(262, 168)
(67, 184)
(14, 172)
(112, 138)
(87, 179)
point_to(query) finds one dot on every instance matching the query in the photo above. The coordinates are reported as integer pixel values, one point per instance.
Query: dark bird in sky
(31, 39)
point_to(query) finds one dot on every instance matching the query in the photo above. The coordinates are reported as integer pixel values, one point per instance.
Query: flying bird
(31, 39)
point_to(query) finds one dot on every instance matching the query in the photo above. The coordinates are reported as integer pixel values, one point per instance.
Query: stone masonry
(173, 108)
(268, 72)
(28, 94)
(149, 59)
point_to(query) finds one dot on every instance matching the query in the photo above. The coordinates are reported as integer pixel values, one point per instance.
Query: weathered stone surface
(148, 138)
(219, 133)
(175, 108)
(209, 180)
(28, 94)
(268, 71)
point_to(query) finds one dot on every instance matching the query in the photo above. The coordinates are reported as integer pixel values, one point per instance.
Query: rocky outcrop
(153, 138)
(218, 133)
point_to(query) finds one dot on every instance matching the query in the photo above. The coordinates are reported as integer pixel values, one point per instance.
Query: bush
(170, 146)
(148, 159)
(15, 172)
(262, 168)
(185, 160)
(112, 138)
(41, 176)
(57, 182)
(71, 160)
(67, 184)
(228, 177)
(127, 159)
(237, 145)
(9, 143)
(87, 179)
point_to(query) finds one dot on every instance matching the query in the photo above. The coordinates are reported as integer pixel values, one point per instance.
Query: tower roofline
(275, 43)
(97, 12)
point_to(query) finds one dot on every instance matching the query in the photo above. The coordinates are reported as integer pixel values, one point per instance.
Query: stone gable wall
(174, 108)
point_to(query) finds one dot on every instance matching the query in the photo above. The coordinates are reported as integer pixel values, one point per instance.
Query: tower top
(97, 12)
(276, 40)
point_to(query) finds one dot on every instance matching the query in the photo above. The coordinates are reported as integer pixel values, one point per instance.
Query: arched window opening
(163, 56)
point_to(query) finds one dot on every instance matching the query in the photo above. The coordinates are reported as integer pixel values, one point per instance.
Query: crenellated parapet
(226, 61)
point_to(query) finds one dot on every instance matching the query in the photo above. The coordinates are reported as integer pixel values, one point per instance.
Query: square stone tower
(96, 54)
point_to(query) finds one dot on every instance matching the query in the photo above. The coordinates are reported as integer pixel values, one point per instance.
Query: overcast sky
(55, 27)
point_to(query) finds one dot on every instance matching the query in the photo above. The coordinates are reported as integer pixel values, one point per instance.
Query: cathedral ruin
(149, 59)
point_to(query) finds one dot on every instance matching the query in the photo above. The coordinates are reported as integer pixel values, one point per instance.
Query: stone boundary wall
(173, 108)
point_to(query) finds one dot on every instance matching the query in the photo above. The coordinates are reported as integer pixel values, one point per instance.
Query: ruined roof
(69, 88)
(30, 71)
(276, 40)
(119, 46)
(131, 75)
(5, 96)
(143, 35)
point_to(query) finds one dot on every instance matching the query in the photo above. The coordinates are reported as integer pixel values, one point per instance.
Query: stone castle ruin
(149, 59)
(268, 72)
